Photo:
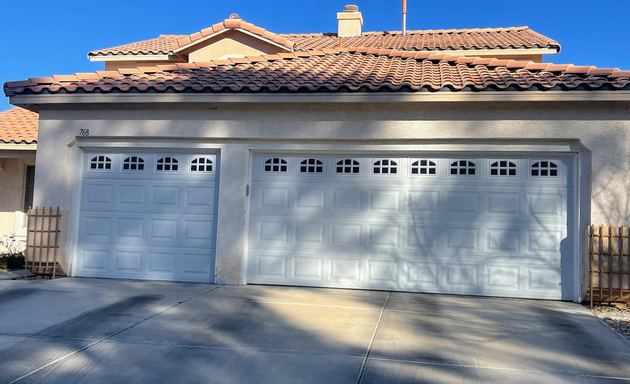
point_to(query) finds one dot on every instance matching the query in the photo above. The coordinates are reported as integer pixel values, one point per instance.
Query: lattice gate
(42, 242)
(609, 263)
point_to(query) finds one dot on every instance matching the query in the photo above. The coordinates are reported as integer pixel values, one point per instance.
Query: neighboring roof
(166, 44)
(347, 70)
(18, 126)
(431, 40)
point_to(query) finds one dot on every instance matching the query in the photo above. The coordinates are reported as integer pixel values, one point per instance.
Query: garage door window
(101, 163)
(423, 167)
(276, 164)
(463, 168)
(384, 166)
(201, 164)
(312, 165)
(133, 163)
(348, 166)
(167, 164)
(544, 169)
(503, 168)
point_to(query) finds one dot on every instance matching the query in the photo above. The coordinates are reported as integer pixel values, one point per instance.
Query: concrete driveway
(113, 331)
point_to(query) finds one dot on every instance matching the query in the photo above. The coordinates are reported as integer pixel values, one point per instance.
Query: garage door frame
(571, 149)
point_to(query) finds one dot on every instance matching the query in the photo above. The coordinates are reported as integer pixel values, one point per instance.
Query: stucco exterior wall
(115, 65)
(598, 132)
(12, 180)
(231, 43)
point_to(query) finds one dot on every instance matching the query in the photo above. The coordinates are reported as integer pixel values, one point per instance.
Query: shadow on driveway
(116, 331)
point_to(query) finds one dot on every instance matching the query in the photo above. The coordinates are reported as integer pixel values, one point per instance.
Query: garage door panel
(516, 205)
(193, 231)
(435, 273)
(479, 233)
(310, 199)
(308, 268)
(141, 263)
(384, 200)
(318, 232)
(310, 234)
(147, 197)
(97, 195)
(149, 225)
(543, 279)
(199, 197)
(94, 260)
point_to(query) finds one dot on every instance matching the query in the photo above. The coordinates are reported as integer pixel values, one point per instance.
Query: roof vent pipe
(404, 17)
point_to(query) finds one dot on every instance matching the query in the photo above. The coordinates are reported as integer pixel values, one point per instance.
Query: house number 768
(84, 132)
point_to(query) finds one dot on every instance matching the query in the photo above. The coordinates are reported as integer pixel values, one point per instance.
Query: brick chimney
(350, 21)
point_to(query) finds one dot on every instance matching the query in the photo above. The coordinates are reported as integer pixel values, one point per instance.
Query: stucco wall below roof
(231, 43)
(598, 131)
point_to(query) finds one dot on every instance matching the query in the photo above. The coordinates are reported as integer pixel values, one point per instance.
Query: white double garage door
(479, 225)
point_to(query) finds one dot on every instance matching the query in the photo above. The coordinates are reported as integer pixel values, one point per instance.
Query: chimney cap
(351, 8)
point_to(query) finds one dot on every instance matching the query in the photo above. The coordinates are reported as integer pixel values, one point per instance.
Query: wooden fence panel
(609, 263)
(42, 242)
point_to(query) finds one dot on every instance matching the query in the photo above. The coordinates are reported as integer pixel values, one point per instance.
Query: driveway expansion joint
(367, 353)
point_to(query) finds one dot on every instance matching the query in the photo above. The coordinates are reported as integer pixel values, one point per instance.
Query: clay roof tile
(18, 126)
(336, 71)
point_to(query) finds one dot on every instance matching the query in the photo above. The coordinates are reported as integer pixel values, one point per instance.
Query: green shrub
(11, 260)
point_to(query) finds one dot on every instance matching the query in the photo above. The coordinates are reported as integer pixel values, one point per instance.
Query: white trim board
(361, 97)
(129, 57)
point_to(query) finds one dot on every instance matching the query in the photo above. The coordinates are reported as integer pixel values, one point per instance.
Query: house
(18, 142)
(449, 161)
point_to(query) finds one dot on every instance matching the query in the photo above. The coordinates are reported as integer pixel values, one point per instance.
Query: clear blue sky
(43, 38)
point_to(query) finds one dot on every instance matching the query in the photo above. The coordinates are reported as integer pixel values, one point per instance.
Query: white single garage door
(148, 216)
(491, 225)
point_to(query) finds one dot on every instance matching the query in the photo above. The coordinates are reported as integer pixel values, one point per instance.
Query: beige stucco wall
(12, 180)
(114, 65)
(599, 132)
(231, 43)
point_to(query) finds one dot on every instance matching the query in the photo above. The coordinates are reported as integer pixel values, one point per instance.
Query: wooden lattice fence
(609, 263)
(42, 242)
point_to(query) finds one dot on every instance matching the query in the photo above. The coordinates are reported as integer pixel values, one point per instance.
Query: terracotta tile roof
(346, 70)
(234, 24)
(18, 126)
(159, 46)
(432, 40)
(489, 38)
(168, 43)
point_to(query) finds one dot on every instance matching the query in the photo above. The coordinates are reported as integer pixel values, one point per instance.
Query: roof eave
(362, 97)
(13, 146)
(130, 57)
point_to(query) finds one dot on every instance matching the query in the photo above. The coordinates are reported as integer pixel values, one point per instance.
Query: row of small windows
(418, 167)
(163, 164)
